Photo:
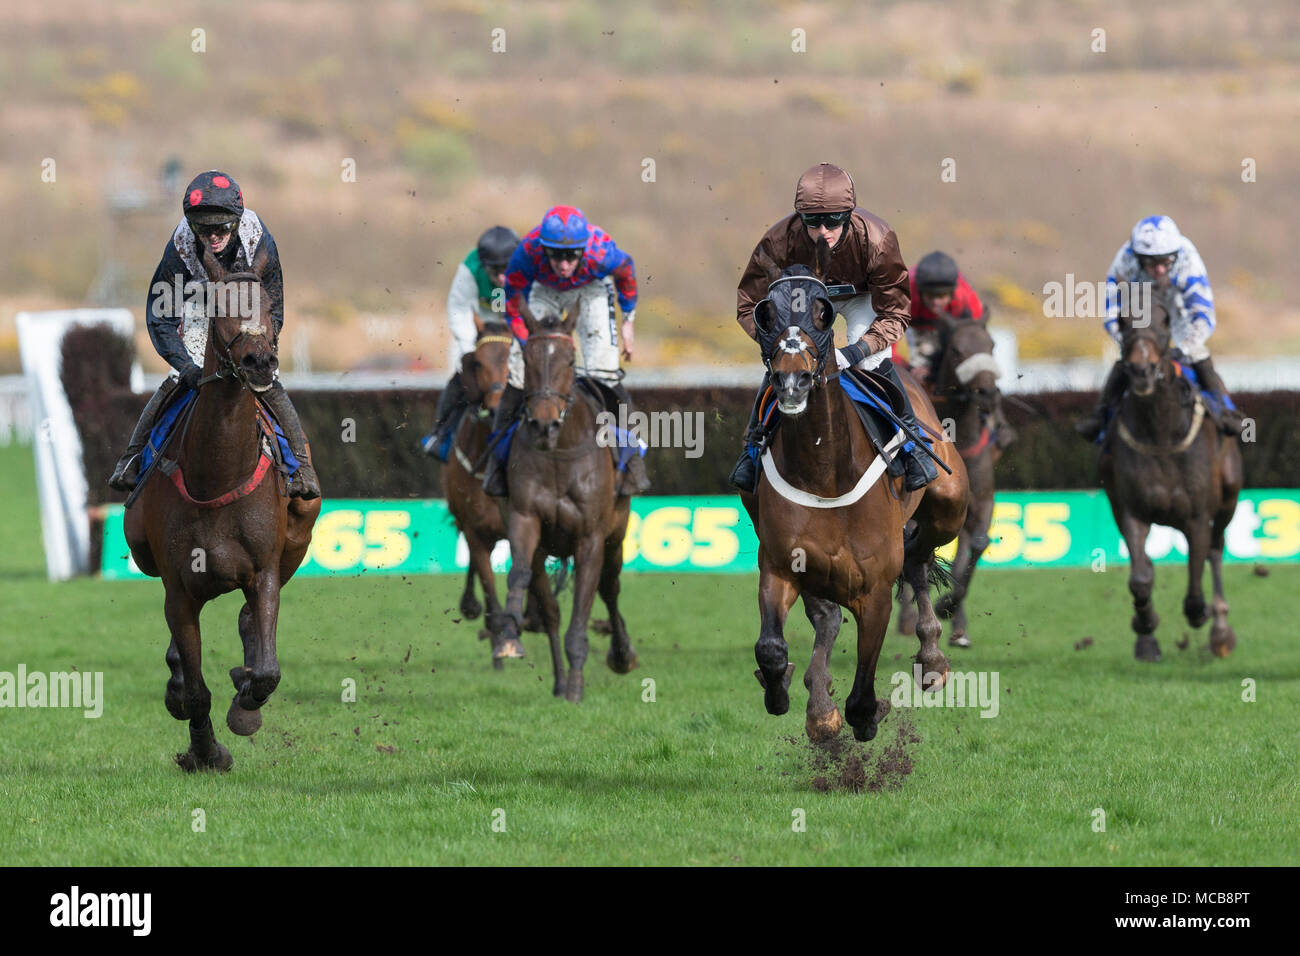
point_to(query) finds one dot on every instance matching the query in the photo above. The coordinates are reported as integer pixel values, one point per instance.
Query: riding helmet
(824, 188)
(212, 198)
(936, 273)
(1156, 236)
(564, 227)
(496, 246)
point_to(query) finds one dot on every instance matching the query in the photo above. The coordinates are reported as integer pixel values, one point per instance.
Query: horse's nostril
(805, 379)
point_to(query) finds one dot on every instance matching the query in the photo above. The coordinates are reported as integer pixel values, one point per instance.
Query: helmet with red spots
(211, 199)
(564, 227)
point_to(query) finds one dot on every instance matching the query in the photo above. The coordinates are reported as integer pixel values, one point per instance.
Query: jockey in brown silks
(865, 256)
(215, 218)
(938, 290)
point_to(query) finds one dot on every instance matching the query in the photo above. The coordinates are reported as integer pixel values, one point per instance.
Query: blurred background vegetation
(1058, 149)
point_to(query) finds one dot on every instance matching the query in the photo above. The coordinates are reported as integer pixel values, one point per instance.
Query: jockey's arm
(162, 316)
(460, 314)
(520, 274)
(890, 298)
(273, 283)
(1123, 268)
(624, 276)
(753, 285)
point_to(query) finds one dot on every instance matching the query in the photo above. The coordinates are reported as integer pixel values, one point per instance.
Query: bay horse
(221, 521)
(562, 502)
(820, 535)
(1165, 461)
(965, 394)
(484, 373)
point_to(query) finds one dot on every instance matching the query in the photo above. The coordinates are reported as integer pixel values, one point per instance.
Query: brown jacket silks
(867, 255)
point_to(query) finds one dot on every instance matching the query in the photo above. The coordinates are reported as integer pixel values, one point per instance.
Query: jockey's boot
(494, 476)
(1229, 418)
(633, 480)
(450, 403)
(127, 472)
(1111, 393)
(745, 475)
(918, 467)
(1005, 434)
(303, 484)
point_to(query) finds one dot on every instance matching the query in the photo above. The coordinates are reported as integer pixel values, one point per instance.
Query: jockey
(865, 253)
(563, 262)
(473, 293)
(214, 215)
(1158, 253)
(939, 288)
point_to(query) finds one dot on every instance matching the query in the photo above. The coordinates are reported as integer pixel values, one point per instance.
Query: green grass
(1186, 772)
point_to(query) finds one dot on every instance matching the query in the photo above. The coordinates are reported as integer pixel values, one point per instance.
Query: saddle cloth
(175, 412)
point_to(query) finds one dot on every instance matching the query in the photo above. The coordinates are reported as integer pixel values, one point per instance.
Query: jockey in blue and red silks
(563, 262)
(1158, 253)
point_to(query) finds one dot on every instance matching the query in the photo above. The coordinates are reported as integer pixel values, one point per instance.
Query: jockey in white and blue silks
(1158, 253)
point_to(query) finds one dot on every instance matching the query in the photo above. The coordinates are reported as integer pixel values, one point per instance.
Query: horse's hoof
(824, 726)
(245, 723)
(776, 698)
(1223, 642)
(470, 607)
(619, 664)
(221, 761)
(865, 732)
(510, 647)
(959, 640)
(932, 679)
(573, 693)
(1147, 649)
(559, 689)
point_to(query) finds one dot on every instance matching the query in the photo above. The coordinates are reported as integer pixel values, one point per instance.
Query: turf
(438, 745)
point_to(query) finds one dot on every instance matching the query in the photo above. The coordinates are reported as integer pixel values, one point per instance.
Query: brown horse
(562, 502)
(823, 538)
(219, 521)
(965, 394)
(1164, 461)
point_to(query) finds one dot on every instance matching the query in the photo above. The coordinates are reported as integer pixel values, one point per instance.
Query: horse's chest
(219, 553)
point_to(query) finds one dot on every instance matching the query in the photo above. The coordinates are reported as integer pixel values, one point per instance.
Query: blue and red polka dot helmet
(564, 227)
(212, 198)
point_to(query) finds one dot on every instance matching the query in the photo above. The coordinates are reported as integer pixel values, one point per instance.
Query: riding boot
(450, 402)
(634, 480)
(1004, 434)
(1111, 393)
(494, 476)
(127, 472)
(745, 475)
(918, 467)
(1229, 418)
(304, 483)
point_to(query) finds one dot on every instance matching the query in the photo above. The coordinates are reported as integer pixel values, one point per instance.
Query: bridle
(227, 367)
(487, 340)
(547, 391)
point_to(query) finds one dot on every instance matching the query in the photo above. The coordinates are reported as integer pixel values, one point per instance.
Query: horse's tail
(940, 574)
(560, 576)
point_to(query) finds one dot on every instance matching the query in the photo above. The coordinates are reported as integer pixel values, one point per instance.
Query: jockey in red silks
(940, 291)
(563, 262)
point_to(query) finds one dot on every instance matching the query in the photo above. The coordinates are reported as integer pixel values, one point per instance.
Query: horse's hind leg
(863, 710)
(971, 543)
(823, 721)
(1222, 637)
(777, 591)
(547, 608)
(205, 752)
(261, 672)
(906, 609)
(1141, 579)
(174, 698)
(621, 657)
(934, 665)
(470, 608)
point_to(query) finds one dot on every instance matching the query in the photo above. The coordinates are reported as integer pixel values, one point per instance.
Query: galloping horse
(965, 393)
(1164, 461)
(562, 502)
(210, 521)
(830, 525)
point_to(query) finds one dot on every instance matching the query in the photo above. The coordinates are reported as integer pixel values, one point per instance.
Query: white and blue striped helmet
(1156, 236)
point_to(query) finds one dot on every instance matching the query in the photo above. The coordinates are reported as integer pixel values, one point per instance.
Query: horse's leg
(1198, 548)
(174, 698)
(525, 531)
(906, 610)
(547, 608)
(971, 543)
(1222, 638)
(621, 657)
(862, 710)
(205, 753)
(261, 672)
(1141, 578)
(587, 561)
(934, 665)
(777, 591)
(470, 608)
(823, 721)
(248, 722)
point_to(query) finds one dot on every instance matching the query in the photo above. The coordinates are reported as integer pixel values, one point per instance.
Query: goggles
(832, 219)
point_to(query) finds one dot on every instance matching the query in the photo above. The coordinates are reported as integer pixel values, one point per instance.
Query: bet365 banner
(1065, 529)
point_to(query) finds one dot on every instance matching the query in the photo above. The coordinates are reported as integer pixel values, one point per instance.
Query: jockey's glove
(191, 376)
(851, 354)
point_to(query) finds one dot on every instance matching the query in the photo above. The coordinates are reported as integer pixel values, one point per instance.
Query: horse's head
(241, 333)
(548, 372)
(968, 370)
(795, 326)
(1144, 342)
(485, 371)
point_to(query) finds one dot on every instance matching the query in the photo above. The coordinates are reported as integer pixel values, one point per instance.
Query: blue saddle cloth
(175, 412)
